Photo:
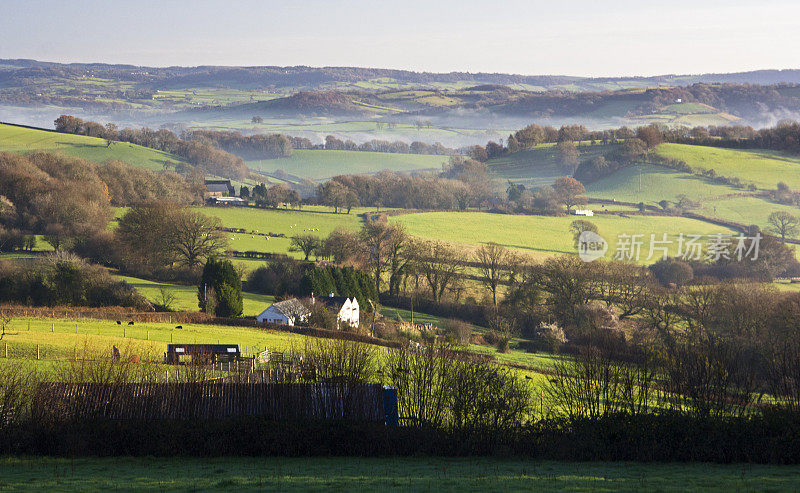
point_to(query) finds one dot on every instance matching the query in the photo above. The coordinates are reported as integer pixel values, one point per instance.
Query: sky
(577, 37)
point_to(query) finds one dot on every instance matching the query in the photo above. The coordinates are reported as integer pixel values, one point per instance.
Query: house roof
(333, 302)
(228, 199)
(217, 187)
(290, 308)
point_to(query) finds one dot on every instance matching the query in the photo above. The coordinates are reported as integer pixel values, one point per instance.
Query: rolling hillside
(650, 184)
(542, 235)
(538, 166)
(22, 140)
(319, 164)
(762, 167)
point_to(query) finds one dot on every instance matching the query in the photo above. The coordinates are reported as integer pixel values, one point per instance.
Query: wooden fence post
(6, 350)
(37, 351)
(53, 327)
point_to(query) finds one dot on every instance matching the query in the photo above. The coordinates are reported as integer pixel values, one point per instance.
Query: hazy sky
(578, 37)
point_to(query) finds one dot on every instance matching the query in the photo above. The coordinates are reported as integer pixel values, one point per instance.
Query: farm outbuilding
(181, 354)
(220, 188)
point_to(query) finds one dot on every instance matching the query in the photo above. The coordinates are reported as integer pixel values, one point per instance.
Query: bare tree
(493, 266)
(195, 236)
(382, 244)
(784, 223)
(166, 298)
(306, 243)
(439, 264)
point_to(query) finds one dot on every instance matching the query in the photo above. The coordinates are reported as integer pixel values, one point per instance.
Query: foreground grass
(65, 338)
(380, 474)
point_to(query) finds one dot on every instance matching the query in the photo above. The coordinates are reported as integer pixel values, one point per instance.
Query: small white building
(346, 309)
(583, 212)
(289, 312)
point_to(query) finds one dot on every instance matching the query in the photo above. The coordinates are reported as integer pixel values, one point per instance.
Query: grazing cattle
(119, 323)
(130, 323)
(179, 326)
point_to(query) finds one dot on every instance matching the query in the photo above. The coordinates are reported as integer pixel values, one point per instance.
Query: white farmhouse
(583, 212)
(287, 312)
(346, 309)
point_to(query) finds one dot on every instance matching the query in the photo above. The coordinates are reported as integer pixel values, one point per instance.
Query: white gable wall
(271, 315)
(349, 313)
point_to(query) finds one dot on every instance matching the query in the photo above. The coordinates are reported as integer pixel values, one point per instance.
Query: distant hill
(15, 138)
(104, 87)
(319, 77)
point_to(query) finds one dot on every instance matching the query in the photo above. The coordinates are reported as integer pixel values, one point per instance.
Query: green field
(744, 210)
(543, 235)
(278, 221)
(762, 167)
(538, 166)
(384, 474)
(186, 296)
(23, 140)
(650, 184)
(65, 338)
(319, 164)
(56, 340)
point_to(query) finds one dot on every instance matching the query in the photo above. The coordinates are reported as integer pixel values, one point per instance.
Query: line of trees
(196, 152)
(260, 146)
(377, 145)
(462, 183)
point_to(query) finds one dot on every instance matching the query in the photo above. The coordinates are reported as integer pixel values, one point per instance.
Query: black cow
(130, 323)
(179, 326)
(119, 323)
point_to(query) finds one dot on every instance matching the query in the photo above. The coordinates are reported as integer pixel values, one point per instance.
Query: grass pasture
(544, 235)
(537, 166)
(280, 221)
(186, 296)
(66, 338)
(763, 167)
(321, 164)
(24, 140)
(383, 474)
(745, 210)
(650, 184)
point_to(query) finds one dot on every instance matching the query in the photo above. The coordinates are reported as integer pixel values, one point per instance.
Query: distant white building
(289, 312)
(583, 212)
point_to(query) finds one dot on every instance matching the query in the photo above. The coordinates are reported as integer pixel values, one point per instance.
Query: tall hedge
(341, 281)
(221, 277)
